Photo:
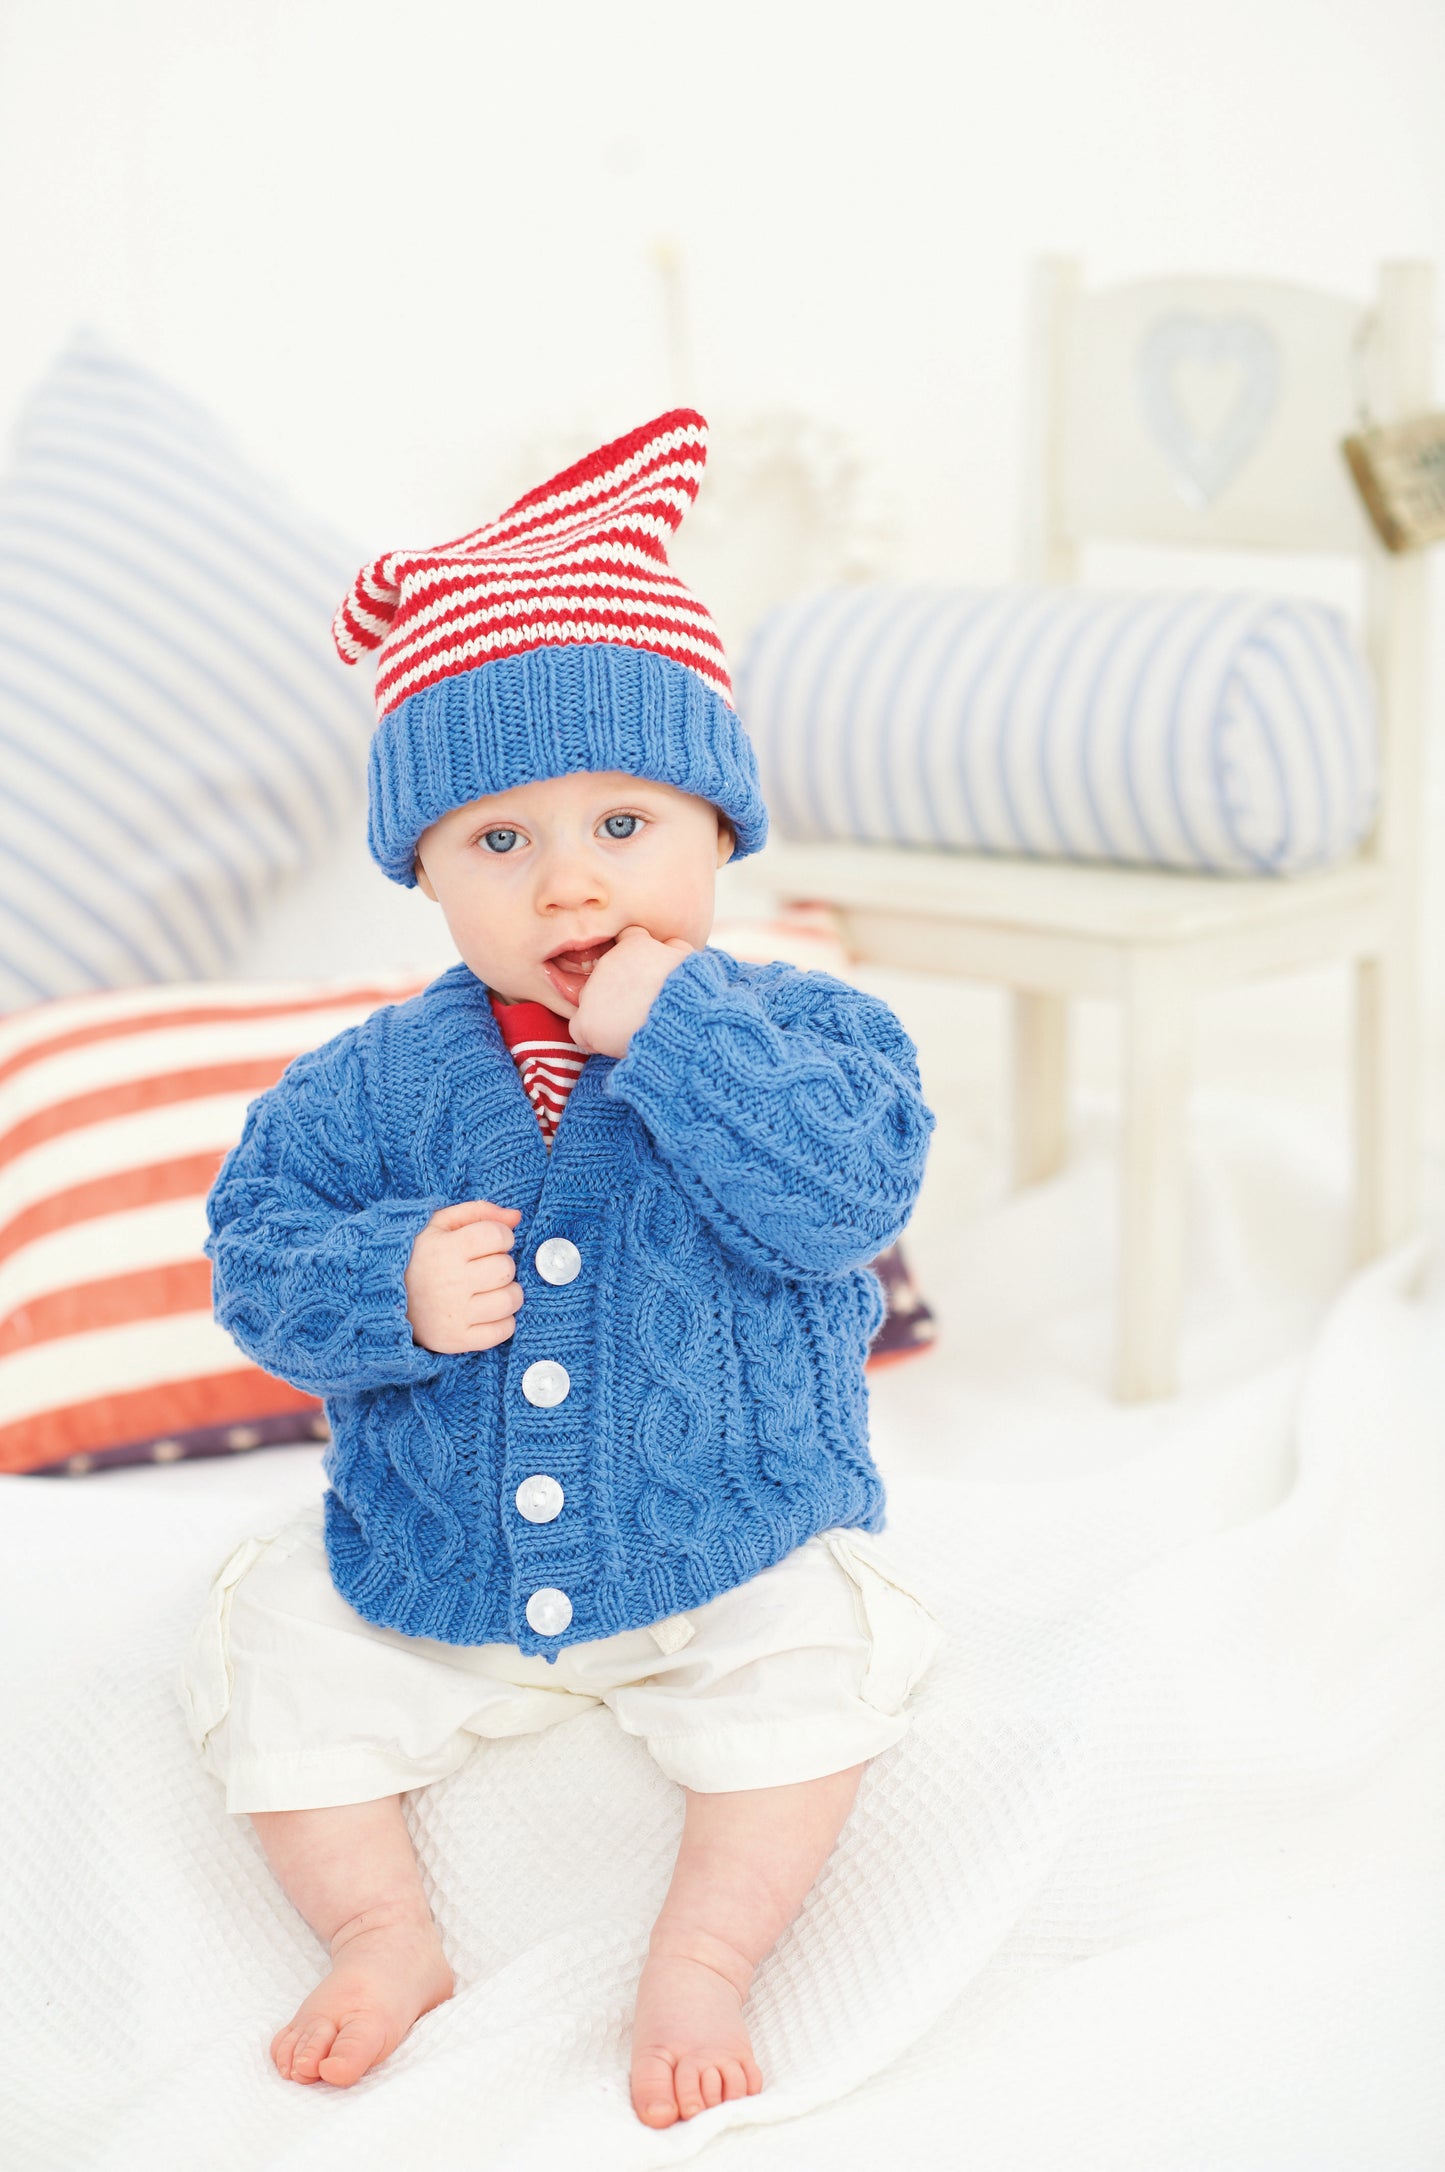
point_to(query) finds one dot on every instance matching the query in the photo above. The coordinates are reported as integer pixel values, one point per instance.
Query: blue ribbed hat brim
(548, 712)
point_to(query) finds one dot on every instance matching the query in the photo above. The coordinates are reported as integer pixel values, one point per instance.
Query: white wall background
(385, 243)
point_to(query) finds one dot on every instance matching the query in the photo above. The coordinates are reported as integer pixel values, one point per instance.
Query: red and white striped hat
(556, 638)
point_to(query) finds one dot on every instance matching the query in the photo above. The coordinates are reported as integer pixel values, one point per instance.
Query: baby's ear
(423, 879)
(727, 840)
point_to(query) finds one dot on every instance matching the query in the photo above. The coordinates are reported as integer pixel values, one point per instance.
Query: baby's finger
(492, 1271)
(489, 1306)
(465, 1211)
(477, 1240)
(488, 1333)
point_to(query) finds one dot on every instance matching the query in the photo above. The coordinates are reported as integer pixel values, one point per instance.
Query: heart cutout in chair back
(1208, 388)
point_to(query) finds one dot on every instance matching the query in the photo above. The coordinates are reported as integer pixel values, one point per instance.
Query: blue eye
(507, 839)
(612, 820)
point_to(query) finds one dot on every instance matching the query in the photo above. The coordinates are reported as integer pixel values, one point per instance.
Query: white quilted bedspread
(1157, 1880)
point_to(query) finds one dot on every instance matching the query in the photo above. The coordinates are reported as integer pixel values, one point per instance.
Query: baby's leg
(352, 1872)
(744, 1868)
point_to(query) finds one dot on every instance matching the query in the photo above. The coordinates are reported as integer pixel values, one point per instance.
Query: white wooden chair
(1104, 469)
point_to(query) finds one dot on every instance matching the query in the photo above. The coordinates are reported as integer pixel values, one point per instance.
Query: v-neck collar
(477, 1004)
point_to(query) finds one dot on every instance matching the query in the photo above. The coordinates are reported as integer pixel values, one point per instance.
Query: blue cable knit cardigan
(725, 1183)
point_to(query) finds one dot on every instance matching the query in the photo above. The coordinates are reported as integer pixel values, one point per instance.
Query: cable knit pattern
(725, 1185)
(316, 1275)
(776, 1098)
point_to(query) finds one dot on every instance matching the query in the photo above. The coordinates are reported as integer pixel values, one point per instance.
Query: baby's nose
(569, 885)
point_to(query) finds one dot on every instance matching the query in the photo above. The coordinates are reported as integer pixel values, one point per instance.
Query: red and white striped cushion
(116, 1111)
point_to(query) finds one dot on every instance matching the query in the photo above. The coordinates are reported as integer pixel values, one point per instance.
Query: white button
(558, 1260)
(546, 1383)
(549, 1611)
(539, 1499)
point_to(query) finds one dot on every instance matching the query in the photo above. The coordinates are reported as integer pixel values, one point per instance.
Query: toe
(734, 2080)
(654, 2098)
(313, 2042)
(689, 2088)
(711, 2083)
(283, 2045)
(359, 2044)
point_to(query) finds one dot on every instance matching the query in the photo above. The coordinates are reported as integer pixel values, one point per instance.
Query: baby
(574, 1245)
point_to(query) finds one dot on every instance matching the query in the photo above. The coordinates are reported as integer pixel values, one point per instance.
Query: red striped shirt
(545, 1054)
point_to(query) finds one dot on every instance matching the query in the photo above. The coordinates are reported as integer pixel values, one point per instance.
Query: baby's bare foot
(690, 2049)
(387, 1969)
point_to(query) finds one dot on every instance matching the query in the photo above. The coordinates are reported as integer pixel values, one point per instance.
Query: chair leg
(1156, 1025)
(1040, 1084)
(1387, 1117)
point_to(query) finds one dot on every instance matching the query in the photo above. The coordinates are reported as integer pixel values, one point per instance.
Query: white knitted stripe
(559, 1084)
(460, 612)
(558, 547)
(663, 602)
(606, 550)
(550, 1100)
(439, 586)
(371, 627)
(540, 526)
(371, 620)
(605, 591)
(609, 484)
(546, 633)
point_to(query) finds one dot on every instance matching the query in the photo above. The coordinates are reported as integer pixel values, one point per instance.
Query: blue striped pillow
(176, 737)
(1227, 734)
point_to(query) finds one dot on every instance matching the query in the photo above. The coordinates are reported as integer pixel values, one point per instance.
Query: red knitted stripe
(429, 593)
(460, 660)
(679, 437)
(360, 637)
(503, 632)
(607, 510)
(466, 606)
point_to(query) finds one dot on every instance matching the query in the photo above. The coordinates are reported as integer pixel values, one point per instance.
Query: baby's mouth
(568, 970)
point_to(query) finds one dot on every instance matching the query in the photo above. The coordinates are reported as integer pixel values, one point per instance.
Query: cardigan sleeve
(787, 1104)
(308, 1252)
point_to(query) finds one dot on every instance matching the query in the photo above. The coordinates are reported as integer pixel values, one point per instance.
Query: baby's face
(536, 883)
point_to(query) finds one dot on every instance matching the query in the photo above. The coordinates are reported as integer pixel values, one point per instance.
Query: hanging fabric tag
(1400, 470)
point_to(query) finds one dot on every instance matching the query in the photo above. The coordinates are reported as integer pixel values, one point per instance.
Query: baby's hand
(461, 1286)
(622, 989)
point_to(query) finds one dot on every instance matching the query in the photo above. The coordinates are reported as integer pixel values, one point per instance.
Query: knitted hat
(555, 639)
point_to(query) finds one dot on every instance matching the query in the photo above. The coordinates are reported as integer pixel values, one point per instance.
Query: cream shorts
(296, 1702)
